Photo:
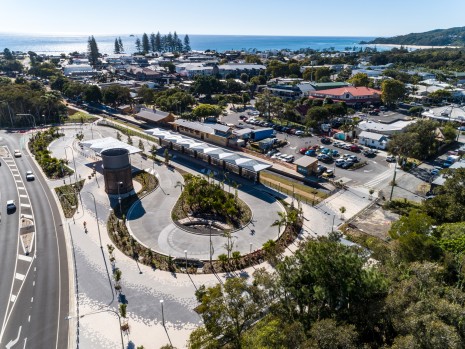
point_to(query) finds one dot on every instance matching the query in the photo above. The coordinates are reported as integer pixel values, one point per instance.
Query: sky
(232, 17)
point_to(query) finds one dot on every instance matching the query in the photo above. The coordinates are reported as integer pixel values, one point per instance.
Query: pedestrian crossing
(380, 180)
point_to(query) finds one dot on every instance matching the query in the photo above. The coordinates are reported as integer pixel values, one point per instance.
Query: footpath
(95, 319)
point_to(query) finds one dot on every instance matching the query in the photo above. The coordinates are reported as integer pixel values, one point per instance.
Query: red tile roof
(354, 91)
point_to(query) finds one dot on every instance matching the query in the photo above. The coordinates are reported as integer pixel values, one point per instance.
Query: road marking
(14, 341)
(32, 299)
(20, 188)
(12, 298)
(33, 283)
(20, 276)
(29, 318)
(25, 205)
(18, 181)
(23, 196)
(25, 258)
(25, 340)
(30, 216)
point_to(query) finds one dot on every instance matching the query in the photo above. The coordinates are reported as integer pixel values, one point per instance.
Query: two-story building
(209, 132)
(352, 96)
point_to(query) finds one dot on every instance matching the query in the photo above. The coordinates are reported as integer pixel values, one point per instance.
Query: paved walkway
(144, 287)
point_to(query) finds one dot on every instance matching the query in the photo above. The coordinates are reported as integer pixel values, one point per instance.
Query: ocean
(65, 44)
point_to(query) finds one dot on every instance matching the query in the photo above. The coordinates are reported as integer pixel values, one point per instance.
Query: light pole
(162, 313)
(185, 253)
(97, 312)
(96, 217)
(393, 180)
(119, 198)
(74, 162)
(210, 225)
(251, 247)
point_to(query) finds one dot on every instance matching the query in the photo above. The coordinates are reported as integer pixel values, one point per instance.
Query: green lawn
(80, 117)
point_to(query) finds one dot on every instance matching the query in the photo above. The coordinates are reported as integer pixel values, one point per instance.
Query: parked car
(325, 140)
(320, 169)
(340, 162)
(346, 147)
(353, 158)
(391, 158)
(310, 152)
(355, 148)
(276, 155)
(347, 164)
(325, 150)
(299, 133)
(243, 117)
(289, 158)
(303, 150)
(370, 152)
(447, 164)
(271, 152)
(335, 153)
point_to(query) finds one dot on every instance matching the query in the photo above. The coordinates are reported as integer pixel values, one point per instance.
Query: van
(289, 158)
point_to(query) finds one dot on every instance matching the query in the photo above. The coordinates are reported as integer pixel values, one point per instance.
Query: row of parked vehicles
(279, 128)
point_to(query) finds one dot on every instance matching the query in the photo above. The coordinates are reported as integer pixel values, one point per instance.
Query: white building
(373, 140)
(78, 69)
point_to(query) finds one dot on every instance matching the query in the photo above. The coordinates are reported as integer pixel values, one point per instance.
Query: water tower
(117, 171)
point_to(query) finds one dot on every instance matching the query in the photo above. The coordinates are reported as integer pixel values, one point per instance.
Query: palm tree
(280, 222)
(236, 255)
(342, 209)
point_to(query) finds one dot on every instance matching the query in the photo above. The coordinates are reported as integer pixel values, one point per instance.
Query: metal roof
(101, 144)
(215, 152)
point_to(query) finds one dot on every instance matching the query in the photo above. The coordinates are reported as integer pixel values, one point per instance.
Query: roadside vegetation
(80, 117)
(68, 195)
(53, 168)
(408, 292)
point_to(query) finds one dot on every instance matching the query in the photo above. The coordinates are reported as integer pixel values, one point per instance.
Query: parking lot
(376, 164)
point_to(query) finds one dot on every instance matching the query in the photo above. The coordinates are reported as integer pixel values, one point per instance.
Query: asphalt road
(36, 318)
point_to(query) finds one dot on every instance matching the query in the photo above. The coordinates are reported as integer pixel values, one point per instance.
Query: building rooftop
(152, 115)
(305, 161)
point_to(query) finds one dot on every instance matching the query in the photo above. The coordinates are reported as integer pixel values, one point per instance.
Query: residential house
(373, 140)
(239, 68)
(381, 128)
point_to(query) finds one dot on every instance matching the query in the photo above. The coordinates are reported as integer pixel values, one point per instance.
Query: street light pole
(74, 162)
(162, 313)
(393, 180)
(251, 247)
(97, 312)
(119, 198)
(210, 225)
(96, 217)
(185, 253)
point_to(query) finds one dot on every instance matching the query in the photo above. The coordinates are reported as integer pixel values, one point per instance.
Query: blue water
(66, 44)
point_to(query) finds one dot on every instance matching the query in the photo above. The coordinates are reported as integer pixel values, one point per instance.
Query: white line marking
(23, 196)
(20, 188)
(25, 258)
(33, 283)
(32, 299)
(25, 340)
(25, 205)
(30, 216)
(13, 342)
(18, 181)
(20, 276)
(29, 318)
(12, 298)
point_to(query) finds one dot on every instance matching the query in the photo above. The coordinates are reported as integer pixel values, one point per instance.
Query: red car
(303, 150)
(354, 147)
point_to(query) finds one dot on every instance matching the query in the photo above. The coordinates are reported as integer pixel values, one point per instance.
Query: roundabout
(150, 221)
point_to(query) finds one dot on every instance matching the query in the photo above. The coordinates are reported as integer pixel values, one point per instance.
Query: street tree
(228, 309)
(204, 110)
(359, 79)
(92, 51)
(187, 43)
(145, 43)
(93, 94)
(391, 91)
(317, 114)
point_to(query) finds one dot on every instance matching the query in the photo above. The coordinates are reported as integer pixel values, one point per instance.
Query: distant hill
(437, 37)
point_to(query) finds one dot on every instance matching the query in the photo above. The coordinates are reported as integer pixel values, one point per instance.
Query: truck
(267, 143)
(258, 135)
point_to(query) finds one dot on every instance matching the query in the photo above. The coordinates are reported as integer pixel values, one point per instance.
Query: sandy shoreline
(416, 47)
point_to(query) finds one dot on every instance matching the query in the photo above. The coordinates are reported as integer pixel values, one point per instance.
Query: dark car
(347, 164)
(320, 169)
(243, 117)
(325, 140)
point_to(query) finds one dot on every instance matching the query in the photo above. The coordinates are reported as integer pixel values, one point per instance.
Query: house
(209, 132)
(352, 96)
(381, 128)
(79, 70)
(155, 117)
(373, 140)
(306, 165)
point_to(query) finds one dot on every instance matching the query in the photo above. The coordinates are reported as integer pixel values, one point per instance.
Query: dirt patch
(375, 221)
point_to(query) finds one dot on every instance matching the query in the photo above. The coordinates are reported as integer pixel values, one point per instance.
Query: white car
(30, 176)
(299, 133)
(17, 153)
(10, 206)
